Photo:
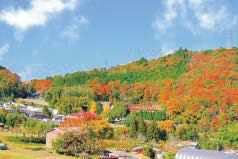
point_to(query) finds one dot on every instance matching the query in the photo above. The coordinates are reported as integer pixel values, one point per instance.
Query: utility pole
(229, 39)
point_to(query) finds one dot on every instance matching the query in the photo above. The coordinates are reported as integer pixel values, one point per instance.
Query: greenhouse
(192, 153)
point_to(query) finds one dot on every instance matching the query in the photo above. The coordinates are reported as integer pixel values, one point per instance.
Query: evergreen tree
(153, 132)
(141, 126)
(98, 108)
(133, 128)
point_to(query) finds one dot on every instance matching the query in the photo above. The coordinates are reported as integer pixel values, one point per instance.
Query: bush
(147, 151)
(169, 156)
(77, 143)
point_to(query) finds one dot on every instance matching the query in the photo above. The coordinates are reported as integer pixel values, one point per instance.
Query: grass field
(19, 150)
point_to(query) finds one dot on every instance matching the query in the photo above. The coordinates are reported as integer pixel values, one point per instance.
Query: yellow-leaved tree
(93, 107)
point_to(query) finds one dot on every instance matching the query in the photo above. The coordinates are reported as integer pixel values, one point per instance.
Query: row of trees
(18, 123)
(146, 131)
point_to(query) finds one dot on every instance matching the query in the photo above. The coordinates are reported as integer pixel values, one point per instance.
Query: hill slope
(208, 76)
(198, 91)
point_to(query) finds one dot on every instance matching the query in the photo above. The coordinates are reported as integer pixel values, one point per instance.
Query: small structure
(140, 149)
(192, 153)
(52, 134)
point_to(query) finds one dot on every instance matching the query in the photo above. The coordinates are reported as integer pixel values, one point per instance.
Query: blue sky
(40, 38)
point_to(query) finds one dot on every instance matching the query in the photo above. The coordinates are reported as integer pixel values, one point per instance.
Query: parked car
(3, 147)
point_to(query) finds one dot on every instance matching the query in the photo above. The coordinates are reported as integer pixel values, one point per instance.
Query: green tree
(120, 110)
(147, 151)
(14, 119)
(98, 108)
(46, 112)
(181, 133)
(153, 132)
(74, 143)
(141, 126)
(133, 128)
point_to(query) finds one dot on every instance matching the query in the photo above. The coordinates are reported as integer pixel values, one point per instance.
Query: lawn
(4, 154)
(19, 150)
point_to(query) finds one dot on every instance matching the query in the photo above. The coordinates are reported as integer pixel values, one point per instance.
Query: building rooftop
(192, 153)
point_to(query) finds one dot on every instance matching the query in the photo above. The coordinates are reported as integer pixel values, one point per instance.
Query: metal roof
(192, 153)
(138, 148)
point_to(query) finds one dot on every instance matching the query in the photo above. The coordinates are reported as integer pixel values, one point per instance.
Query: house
(52, 134)
(58, 118)
(38, 116)
(191, 153)
(34, 111)
(10, 110)
(37, 110)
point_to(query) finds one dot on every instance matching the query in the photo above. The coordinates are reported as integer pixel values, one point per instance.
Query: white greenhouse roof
(192, 153)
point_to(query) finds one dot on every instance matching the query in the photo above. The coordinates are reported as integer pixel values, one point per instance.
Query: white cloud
(3, 50)
(38, 14)
(195, 15)
(164, 22)
(72, 31)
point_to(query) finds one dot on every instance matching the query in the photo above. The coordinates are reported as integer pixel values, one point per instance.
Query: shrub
(77, 143)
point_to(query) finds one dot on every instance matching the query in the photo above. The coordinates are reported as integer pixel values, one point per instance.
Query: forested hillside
(134, 83)
(203, 79)
(10, 84)
(197, 90)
